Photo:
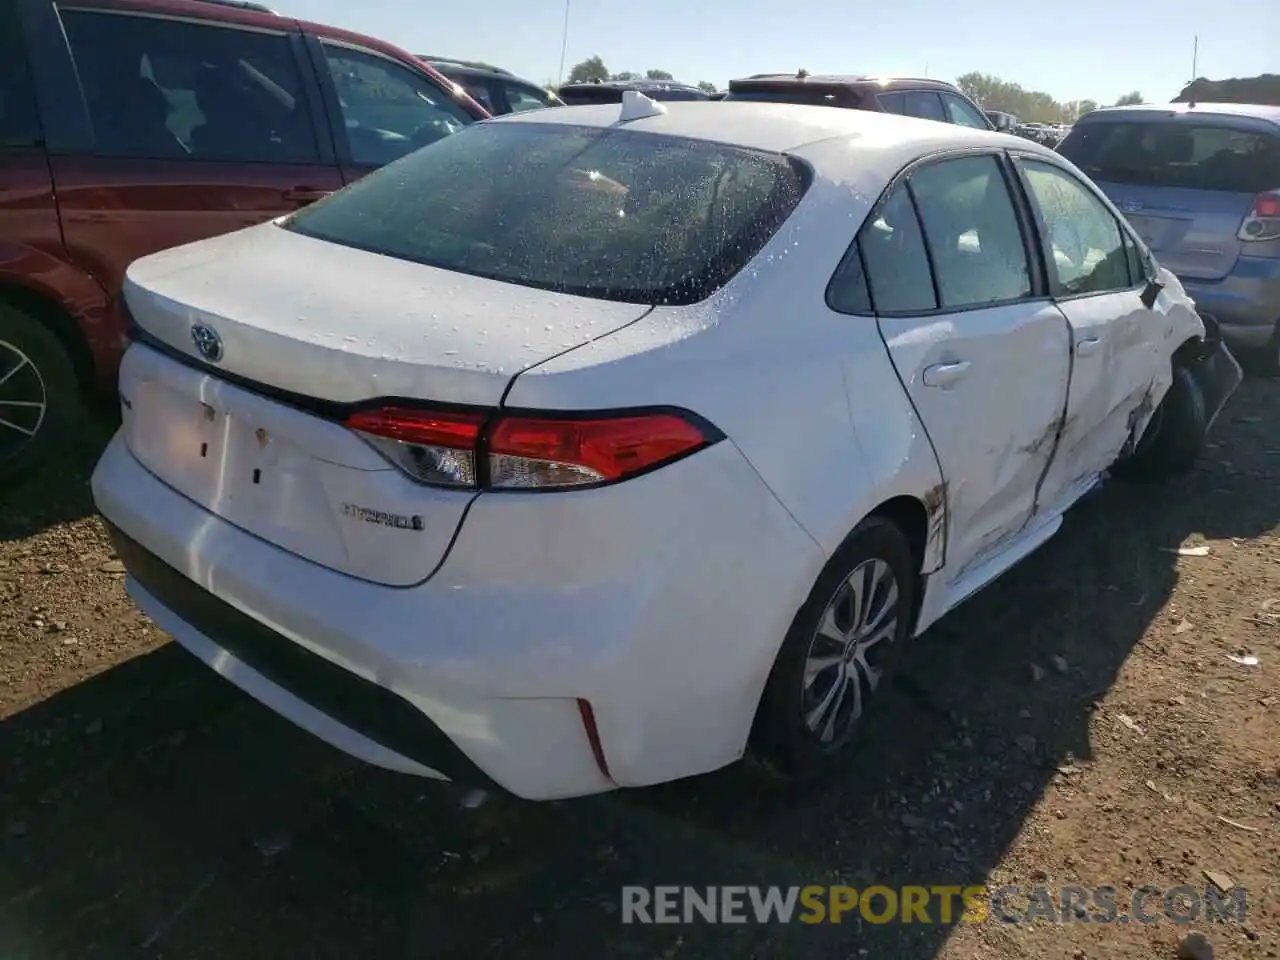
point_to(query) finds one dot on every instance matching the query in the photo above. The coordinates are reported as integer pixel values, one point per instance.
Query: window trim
(315, 44)
(1018, 160)
(1027, 227)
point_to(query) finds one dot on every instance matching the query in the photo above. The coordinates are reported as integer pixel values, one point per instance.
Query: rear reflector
(431, 447)
(1263, 220)
(529, 452)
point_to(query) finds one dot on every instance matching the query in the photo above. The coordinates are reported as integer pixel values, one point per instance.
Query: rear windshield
(1163, 153)
(599, 212)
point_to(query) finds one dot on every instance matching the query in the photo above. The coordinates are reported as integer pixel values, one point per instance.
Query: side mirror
(1150, 292)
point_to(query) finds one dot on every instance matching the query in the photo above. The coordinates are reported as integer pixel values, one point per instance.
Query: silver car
(1201, 184)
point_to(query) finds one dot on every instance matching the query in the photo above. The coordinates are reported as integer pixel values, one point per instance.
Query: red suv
(128, 126)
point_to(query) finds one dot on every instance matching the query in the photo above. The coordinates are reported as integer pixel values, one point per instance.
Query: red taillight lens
(1263, 220)
(528, 452)
(433, 447)
(536, 453)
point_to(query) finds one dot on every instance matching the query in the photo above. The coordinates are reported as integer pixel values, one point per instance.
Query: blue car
(1201, 184)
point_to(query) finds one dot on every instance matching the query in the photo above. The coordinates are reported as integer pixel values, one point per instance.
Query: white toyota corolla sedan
(594, 447)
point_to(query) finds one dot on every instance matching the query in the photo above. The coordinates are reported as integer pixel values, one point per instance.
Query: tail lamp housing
(529, 451)
(1263, 220)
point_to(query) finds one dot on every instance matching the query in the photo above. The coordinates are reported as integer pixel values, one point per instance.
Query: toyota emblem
(1131, 206)
(208, 343)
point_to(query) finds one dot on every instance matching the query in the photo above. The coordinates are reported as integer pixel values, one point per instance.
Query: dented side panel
(990, 387)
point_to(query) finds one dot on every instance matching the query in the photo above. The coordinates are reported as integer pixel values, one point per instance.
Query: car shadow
(153, 810)
(58, 491)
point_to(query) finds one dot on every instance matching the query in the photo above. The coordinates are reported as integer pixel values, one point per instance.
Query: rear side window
(19, 124)
(1176, 153)
(598, 212)
(165, 89)
(925, 104)
(800, 95)
(892, 102)
(972, 230)
(896, 261)
(1085, 241)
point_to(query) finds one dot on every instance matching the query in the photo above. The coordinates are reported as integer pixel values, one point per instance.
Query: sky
(1084, 49)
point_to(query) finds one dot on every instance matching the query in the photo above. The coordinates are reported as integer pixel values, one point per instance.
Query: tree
(589, 71)
(625, 75)
(707, 87)
(1129, 98)
(657, 75)
(1085, 106)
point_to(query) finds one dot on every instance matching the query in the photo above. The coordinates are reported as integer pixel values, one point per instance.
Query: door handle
(305, 195)
(944, 374)
(1087, 346)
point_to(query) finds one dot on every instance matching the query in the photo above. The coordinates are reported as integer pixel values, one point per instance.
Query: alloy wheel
(24, 400)
(847, 653)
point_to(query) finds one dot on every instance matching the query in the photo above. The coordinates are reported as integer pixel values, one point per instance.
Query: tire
(781, 738)
(34, 368)
(1175, 438)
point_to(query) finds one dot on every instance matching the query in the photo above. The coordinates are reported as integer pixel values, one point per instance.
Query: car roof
(459, 69)
(780, 127)
(1256, 111)
(641, 85)
(880, 83)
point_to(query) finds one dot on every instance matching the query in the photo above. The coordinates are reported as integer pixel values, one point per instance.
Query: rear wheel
(841, 648)
(1175, 437)
(39, 396)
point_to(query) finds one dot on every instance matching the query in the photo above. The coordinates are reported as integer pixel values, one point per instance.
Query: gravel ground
(1081, 722)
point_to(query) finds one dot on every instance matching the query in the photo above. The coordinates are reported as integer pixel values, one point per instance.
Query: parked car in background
(128, 126)
(1201, 184)
(1004, 122)
(514, 499)
(908, 96)
(610, 91)
(495, 89)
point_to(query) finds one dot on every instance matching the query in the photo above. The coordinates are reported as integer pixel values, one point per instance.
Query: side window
(897, 264)
(166, 89)
(1083, 238)
(481, 94)
(19, 124)
(521, 99)
(892, 102)
(388, 110)
(972, 229)
(924, 103)
(1135, 259)
(958, 111)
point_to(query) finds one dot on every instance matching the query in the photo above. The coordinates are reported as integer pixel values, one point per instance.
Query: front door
(1118, 343)
(982, 353)
(199, 128)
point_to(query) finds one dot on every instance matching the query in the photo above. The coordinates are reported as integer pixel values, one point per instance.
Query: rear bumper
(664, 615)
(1246, 303)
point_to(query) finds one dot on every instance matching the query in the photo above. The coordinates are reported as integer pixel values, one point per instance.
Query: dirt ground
(1081, 722)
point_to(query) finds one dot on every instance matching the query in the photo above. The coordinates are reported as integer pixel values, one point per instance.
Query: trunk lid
(332, 324)
(1192, 232)
(340, 324)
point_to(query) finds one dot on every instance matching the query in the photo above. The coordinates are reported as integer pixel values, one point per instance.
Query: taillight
(438, 448)
(529, 452)
(1263, 220)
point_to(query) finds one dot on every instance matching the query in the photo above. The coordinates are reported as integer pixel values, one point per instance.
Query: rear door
(381, 109)
(1119, 345)
(980, 349)
(198, 128)
(1184, 181)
